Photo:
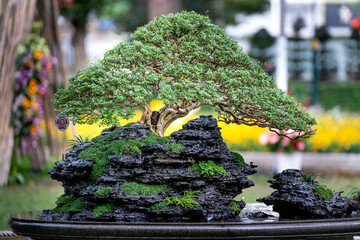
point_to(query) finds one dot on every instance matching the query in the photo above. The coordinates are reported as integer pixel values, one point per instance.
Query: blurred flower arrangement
(276, 143)
(33, 65)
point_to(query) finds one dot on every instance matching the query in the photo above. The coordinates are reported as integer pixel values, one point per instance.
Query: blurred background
(311, 47)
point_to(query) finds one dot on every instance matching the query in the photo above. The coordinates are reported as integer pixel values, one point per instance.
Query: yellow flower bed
(334, 135)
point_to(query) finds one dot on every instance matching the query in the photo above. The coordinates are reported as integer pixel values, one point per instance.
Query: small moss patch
(104, 191)
(324, 191)
(186, 201)
(160, 206)
(234, 207)
(101, 209)
(133, 188)
(105, 146)
(209, 168)
(67, 203)
(239, 158)
(174, 147)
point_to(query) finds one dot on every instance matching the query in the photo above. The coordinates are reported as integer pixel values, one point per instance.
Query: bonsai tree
(188, 62)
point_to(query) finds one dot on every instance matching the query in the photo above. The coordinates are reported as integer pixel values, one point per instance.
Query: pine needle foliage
(188, 62)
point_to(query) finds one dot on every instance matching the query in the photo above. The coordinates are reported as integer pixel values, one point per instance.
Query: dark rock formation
(296, 198)
(185, 190)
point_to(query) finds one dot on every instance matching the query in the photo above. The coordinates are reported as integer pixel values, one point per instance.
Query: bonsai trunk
(159, 121)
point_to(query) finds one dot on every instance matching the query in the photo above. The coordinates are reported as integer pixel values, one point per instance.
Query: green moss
(186, 201)
(69, 203)
(104, 191)
(209, 168)
(105, 146)
(160, 206)
(239, 158)
(174, 147)
(324, 191)
(234, 207)
(101, 209)
(133, 188)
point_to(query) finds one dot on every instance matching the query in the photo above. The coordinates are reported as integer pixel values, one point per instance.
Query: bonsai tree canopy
(188, 62)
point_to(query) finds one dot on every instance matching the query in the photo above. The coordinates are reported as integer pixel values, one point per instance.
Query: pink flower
(299, 145)
(264, 139)
(285, 142)
(274, 138)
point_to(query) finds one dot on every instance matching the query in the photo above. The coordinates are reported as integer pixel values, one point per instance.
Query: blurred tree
(130, 14)
(299, 51)
(260, 44)
(223, 11)
(327, 61)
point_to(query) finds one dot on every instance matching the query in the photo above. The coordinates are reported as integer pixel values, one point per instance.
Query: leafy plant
(186, 201)
(234, 207)
(104, 191)
(239, 158)
(355, 194)
(67, 203)
(308, 177)
(209, 168)
(324, 191)
(78, 139)
(188, 62)
(133, 188)
(101, 209)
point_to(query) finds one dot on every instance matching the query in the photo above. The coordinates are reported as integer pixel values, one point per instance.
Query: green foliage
(234, 207)
(67, 203)
(101, 209)
(239, 158)
(355, 194)
(341, 94)
(209, 168)
(308, 177)
(104, 147)
(175, 147)
(18, 168)
(160, 206)
(186, 201)
(104, 191)
(78, 139)
(324, 191)
(185, 60)
(133, 188)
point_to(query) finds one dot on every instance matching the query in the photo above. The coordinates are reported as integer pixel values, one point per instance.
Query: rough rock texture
(295, 198)
(157, 165)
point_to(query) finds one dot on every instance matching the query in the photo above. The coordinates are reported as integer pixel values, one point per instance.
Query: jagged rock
(72, 169)
(295, 198)
(136, 132)
(157, 165)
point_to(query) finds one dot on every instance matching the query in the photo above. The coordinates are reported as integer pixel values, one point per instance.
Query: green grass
(42, 195)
